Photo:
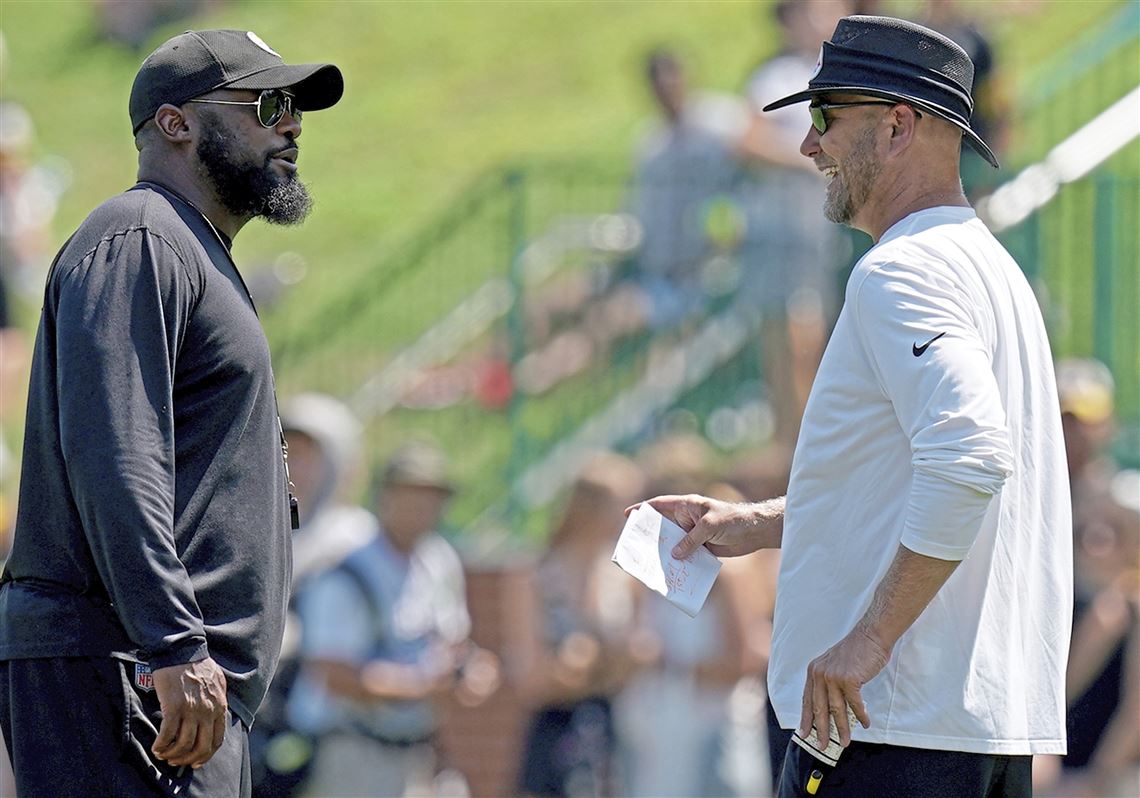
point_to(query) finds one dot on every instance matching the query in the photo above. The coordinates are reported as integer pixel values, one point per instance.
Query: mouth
(286, 158)
(829, 171)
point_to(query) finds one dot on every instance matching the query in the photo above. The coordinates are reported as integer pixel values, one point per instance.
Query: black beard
(249, 189)
(850, 189)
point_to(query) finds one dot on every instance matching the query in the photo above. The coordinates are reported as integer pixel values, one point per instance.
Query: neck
(193, 189)
(901, 197)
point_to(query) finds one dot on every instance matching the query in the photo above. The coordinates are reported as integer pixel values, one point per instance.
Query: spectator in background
(385, 637)
(791, 255)
(29, 193)
(1103, 681)
(684, 167)
(323, 438)
(683, 175)
(589, 649)
(689, 725)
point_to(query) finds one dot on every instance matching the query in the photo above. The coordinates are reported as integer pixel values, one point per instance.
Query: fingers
(686, 512)
(806, 708)
(218, 737)
(198, 739)
(678, 508)
(826, 699)
(837, 707)
(690, 543)
(821, 712)
(193, 702)
(854, 699)
(177, 750)
(167, 734)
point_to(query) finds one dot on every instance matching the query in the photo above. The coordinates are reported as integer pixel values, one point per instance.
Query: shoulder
(931, 248)
(137, 214)
(434, 550)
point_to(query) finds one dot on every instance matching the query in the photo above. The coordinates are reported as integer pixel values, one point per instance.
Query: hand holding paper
(644, 551)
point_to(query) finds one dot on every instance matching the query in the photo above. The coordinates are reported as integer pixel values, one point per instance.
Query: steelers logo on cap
(818, 64)
(253, 37)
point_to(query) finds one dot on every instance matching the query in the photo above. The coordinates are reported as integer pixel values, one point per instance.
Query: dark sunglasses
(272, 104)
(819, 121)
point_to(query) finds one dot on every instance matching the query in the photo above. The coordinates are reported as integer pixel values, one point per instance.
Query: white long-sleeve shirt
(934, 422)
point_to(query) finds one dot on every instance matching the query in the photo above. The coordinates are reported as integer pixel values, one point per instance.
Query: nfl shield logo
(144, 678)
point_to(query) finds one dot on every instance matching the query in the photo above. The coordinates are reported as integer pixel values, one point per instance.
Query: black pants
(78, 726)
(868, 770)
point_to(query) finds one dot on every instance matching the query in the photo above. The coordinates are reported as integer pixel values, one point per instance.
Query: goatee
(851, 187)
(248, 188)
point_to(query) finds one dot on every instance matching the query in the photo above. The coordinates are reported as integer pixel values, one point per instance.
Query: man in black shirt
(143, 604)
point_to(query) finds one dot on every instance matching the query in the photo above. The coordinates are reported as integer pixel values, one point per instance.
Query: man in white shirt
(926, 573)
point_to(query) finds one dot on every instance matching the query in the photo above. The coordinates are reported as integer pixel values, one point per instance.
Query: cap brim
(972, 138)
(316, 86)
(411, 482)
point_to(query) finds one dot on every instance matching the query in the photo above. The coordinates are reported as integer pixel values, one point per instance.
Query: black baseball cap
(196, 62)
(897, 60)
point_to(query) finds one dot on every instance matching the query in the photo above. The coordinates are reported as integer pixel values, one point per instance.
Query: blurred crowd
(615, 691)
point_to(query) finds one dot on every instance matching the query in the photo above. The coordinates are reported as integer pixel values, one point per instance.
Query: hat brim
(972, 138)
(445, 488)
(316, 86)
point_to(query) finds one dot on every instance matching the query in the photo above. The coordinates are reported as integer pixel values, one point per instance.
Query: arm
(763, 142)
(120, 315)
(834, 680)
(727, 529)
(380, 680)
(339, 636)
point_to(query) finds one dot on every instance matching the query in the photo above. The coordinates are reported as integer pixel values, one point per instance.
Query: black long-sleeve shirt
(153, 511)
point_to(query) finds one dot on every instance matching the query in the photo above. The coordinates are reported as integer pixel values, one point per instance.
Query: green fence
(486, 333)
(509, 331)
(490, 331)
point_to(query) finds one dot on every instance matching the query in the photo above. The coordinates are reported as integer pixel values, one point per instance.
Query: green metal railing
(435, 340)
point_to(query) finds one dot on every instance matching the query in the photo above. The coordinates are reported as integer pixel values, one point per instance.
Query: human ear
(902, 119)
(171, 123)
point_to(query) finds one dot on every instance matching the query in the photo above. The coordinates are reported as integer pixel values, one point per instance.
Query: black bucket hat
(897, 60)
(196, 62)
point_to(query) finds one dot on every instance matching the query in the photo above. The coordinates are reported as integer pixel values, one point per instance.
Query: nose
(289, 125)
(809, 147)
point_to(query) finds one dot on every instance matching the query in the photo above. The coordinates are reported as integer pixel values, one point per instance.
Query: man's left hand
(834, 681)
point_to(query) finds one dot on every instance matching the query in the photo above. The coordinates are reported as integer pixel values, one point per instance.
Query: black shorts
(81, 726)
(874, 769)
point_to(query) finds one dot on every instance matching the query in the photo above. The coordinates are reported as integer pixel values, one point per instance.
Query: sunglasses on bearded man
(819, 120)
(272, 105)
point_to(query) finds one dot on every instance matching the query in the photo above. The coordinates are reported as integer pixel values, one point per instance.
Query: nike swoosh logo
(917, 350)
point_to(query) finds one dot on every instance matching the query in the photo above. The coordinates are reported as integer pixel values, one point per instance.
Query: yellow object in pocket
(813, 782)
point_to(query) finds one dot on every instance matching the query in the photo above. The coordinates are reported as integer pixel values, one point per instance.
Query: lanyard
(294, 505)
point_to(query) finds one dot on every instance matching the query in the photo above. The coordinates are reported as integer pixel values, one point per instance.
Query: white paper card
(644, 551)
